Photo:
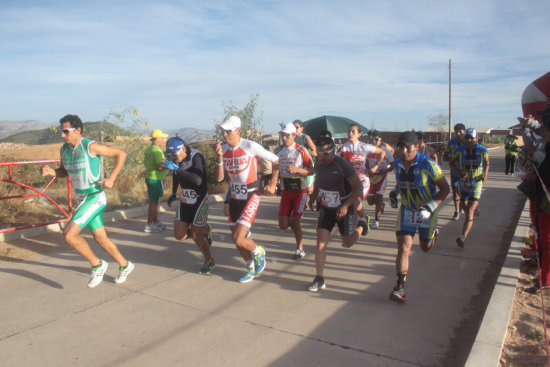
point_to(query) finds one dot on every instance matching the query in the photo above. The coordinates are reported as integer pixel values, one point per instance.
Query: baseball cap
(158, 134)
(471, 132)
(174, 145)
(407, 139)
(231, 123)
(288, 128)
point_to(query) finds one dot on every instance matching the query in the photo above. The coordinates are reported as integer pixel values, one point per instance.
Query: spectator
(154, 179)
(511, 149)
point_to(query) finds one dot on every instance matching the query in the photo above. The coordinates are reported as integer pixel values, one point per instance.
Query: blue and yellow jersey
(471, 160)
(417, 185)
(452, 146)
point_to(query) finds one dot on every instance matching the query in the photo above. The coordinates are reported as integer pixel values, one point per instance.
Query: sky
(384, 64)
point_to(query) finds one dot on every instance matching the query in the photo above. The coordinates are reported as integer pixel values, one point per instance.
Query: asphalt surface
(168, 314)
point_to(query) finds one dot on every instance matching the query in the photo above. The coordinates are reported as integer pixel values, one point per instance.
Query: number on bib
(413, 219)
(329, 199)
(239, 191)
(188, 196)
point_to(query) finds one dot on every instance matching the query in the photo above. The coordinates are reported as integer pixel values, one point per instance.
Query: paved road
(167, 314)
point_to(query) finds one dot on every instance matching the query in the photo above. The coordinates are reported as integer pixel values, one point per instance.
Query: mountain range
(34, 132)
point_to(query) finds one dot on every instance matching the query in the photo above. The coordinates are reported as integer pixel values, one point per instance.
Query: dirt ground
(525, 345)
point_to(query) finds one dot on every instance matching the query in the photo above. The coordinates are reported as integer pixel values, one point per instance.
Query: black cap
(407, 138)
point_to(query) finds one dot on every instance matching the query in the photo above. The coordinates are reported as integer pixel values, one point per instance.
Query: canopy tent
(337, 125)
(536, 96)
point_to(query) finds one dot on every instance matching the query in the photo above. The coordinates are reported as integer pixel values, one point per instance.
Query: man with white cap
(154, 179)
(295, 165)
(471, 162)
(237, 158)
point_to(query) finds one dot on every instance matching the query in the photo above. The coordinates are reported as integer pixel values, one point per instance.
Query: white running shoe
(152, 228)
(123, 272)
(97, 273)
(376, 224)
(299, 254)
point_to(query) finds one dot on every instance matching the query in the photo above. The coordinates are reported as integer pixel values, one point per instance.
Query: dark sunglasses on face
(285, 135)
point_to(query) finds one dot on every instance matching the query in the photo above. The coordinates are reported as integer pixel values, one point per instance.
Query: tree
(439, 122)
(251, 121)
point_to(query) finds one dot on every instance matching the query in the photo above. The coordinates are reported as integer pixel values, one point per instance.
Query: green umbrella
(337, 125)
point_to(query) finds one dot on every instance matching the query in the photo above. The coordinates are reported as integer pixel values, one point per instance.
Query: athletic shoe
(208, 235)
(123, 272)
(398, 294)
(300, 253)
(393, 199)
(248, 276)
(376, 224)
(161, 225)
(318, 283)
(207, 267)
(152, 228)
(456, 215)
(97, 273)
(259, 260)
(460, 240)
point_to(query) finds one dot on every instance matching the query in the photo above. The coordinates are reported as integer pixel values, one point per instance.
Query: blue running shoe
(248, 276)
(259, 260)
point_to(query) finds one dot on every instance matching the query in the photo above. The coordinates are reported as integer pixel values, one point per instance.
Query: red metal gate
(36, 192)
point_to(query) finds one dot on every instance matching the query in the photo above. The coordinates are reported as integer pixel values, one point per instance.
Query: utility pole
(450, 78)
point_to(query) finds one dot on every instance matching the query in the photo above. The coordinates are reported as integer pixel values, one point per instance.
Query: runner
(305, 141)
(355, 152)
(337, 187)
(379, 178)
(449, 151)
(419, 179)
(238, 158)
(470, 162)
(295, 166)
(425, 148)
(189, 173)
(80, 159)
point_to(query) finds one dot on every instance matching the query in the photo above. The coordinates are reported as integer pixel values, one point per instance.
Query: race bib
(188, 196)
(292, 183)
(239, 191)
(413, 219)
(329, 199)
(77, 180)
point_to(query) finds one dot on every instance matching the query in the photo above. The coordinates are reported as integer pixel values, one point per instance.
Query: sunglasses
(326, 152)
(375, 139)
(226, 131)
(285, 135)
(66, 131)
(469, 137)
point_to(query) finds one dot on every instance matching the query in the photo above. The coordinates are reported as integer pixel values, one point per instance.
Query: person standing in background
(511, 149)
(154, 179)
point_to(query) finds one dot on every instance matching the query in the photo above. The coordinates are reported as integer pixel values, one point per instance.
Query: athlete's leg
(379, 199)
(198, 234)
(244, 245)
(284, 222)
(181, 230)
(470, 207)
(295, 224)
(100, 236)
(323, 236)
(404, 245)
(71, 233)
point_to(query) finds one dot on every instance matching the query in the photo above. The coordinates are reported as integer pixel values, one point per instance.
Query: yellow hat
(158, 134)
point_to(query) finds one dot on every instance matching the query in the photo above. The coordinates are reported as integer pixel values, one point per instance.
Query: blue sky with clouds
(383, 64)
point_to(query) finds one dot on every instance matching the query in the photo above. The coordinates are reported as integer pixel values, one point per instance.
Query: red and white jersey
(356, 154)
(240, 162)
(372, 160)
(295, 155)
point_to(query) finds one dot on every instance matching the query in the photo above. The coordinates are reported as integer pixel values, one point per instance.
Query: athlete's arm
(356, 190)
(485, 168)
(453, 166)
(195, 174)
(314, 195)
(271, 188)
(119, 155)
(57, 172)
(218, 170)
(432, 154)
(313, 150)
(443, 187)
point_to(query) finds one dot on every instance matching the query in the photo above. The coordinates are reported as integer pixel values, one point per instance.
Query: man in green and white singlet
(80, 160)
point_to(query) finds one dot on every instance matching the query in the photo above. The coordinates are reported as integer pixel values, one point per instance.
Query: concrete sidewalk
(166, 313)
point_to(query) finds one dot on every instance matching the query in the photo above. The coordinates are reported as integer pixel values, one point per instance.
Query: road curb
(492, 332)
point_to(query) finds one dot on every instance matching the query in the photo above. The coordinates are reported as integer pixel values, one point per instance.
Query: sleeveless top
(83, 167)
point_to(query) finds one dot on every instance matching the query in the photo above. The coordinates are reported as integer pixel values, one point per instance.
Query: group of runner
(335, 182)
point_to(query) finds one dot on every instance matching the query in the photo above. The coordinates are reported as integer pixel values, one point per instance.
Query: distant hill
(47, 136)
(8, 128)
(190, 134)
